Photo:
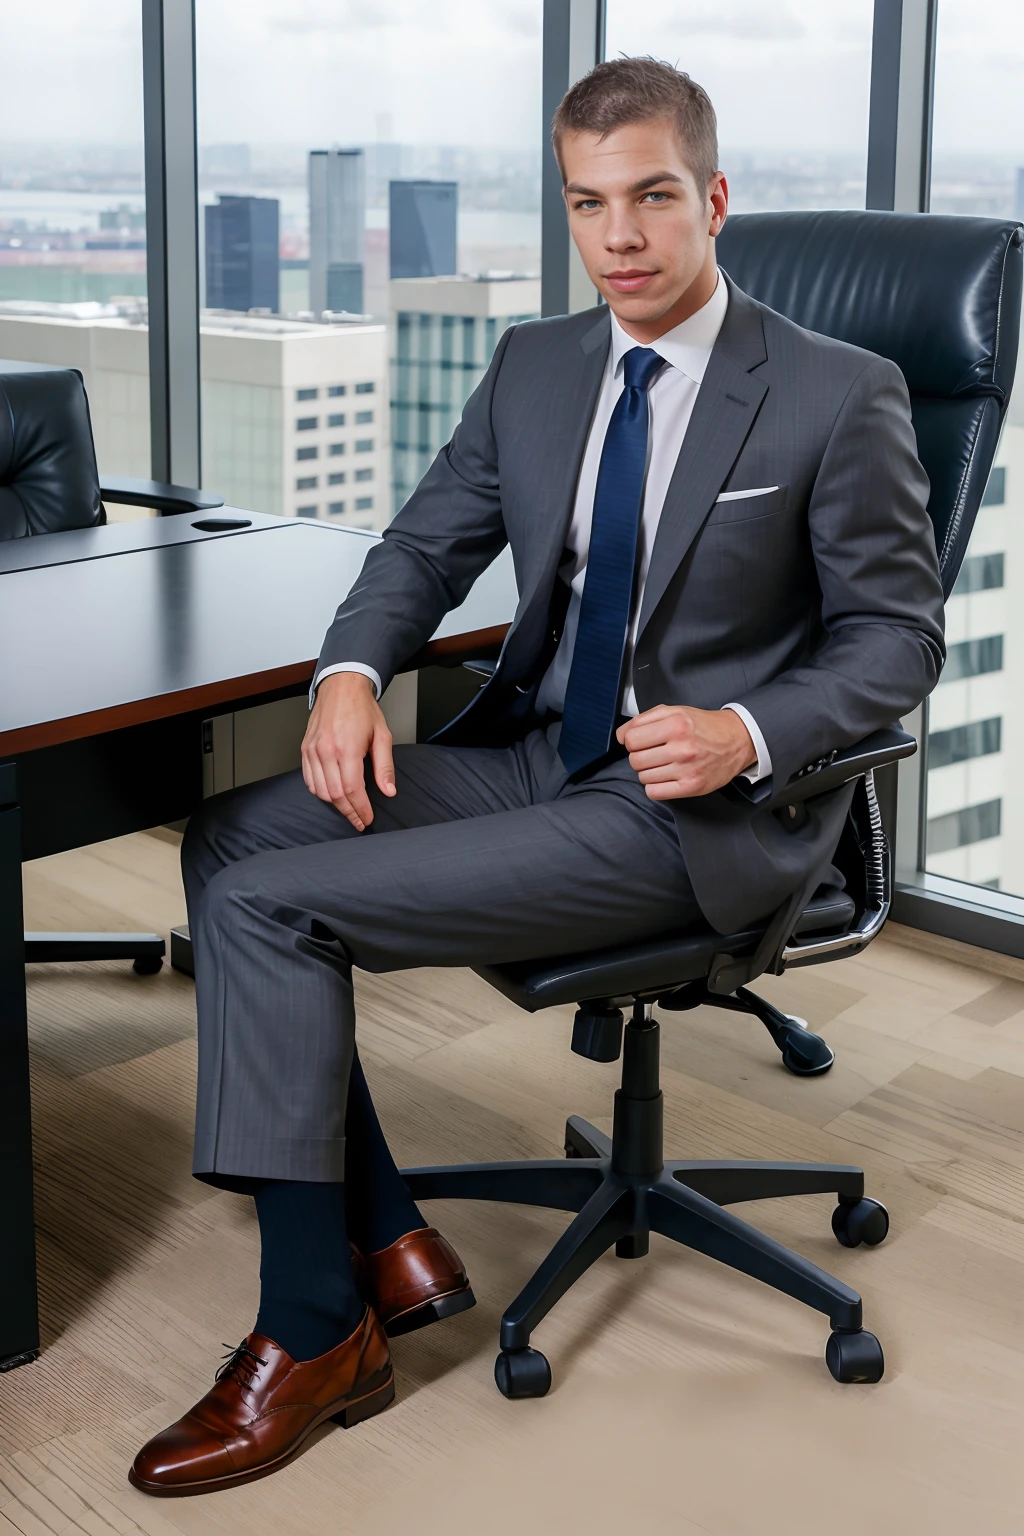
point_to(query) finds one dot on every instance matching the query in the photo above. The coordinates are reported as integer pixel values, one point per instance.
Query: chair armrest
(151, 493)
(885, 746)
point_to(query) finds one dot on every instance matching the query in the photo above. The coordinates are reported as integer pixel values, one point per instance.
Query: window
(364, 503)
(336, 449)
(364, 445)
(970, 658)
(306, 394)
(306, 453)
(364, 474)
(305, 511)
(336, 479)
(307, 423)
(979, 738)
(790, 85)
(307, 115)
(363, 418)
(995, 491)
(975, 809)
(306, 483)
(972, 824)
(979, 573)
(73, 214)
(337, 420)
(335, 508)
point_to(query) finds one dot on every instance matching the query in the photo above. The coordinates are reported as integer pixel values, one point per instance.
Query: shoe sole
(348, 1414)
(427, 1312)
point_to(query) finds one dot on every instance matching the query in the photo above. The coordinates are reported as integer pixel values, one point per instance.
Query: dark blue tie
(592, 693)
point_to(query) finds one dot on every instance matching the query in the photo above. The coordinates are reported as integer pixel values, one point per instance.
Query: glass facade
(346, 316)
(790, 85)
(975, 812)
(351, 122)
(73, 213)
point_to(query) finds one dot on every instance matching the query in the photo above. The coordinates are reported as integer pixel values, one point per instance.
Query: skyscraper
(242, 254)
(337, 216)
(423, 228)
(443, 332)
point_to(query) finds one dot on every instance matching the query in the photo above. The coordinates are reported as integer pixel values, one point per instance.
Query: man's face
(638, 219)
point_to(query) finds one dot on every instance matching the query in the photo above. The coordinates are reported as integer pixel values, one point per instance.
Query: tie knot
(639, 366)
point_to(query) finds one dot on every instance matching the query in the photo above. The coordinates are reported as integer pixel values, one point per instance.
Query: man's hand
(678, 752)
(345, 725)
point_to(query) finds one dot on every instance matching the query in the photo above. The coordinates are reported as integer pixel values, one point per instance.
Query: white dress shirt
(686, 350)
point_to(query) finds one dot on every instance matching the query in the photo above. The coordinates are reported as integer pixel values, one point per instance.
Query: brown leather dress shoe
(418, 1280)
(262, 1407)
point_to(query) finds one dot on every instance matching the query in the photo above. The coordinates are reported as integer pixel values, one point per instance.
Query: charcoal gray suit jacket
(817, 606)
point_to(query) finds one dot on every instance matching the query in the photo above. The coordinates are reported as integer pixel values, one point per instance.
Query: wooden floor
(686, 1399)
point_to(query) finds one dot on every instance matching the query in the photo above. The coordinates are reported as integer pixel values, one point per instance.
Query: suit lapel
(727, 404)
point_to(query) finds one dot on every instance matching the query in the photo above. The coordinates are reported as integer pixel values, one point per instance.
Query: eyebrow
(574, 189)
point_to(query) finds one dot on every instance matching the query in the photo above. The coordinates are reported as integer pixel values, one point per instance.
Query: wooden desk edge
(234, 690)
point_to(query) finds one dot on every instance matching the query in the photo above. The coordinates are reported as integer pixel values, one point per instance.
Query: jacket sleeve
(882, 607)
(448, 532)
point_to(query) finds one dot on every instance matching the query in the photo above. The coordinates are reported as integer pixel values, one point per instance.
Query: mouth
(631, 280)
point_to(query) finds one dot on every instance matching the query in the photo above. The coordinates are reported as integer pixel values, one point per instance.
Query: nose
(623, 232)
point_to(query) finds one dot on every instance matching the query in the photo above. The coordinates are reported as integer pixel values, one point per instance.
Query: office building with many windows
(443, 333)
(337, 219)
(423, 220)
(242, 253)
(295, 415)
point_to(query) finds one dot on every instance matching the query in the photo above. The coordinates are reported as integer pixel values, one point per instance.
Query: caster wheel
(147, 965)
(804, 1054)
(855, 1357)
(571, 1151)
(522, 1373)
(862, 1221)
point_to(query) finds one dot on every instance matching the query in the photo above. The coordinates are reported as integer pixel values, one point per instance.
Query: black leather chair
(49, 483)
(942, 298)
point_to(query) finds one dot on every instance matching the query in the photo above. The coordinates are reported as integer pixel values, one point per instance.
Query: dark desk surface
(141, 626)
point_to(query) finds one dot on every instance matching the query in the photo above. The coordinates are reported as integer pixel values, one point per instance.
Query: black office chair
(49, 483)
(942, 298)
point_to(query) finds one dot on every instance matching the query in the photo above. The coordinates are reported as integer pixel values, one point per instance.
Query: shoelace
(240, 1362)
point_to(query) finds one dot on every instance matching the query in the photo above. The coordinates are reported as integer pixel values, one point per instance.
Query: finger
(383, 762)
(657, 733)
(666, 773)
(657, 757)
(657, 713)
(675, 789)
(339, 789)
(307, 771)
(353, 783)
(316, 781)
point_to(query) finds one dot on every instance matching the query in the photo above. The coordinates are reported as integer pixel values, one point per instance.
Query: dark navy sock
(308, 1299)
(379, 1207)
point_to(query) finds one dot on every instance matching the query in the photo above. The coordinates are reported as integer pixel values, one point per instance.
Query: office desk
(116, 643)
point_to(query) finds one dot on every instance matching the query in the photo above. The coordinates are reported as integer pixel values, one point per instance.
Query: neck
(687, 304)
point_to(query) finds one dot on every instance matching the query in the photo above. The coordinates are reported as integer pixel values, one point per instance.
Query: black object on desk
(104, 738)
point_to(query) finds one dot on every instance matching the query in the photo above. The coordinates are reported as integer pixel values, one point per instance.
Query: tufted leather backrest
(48, 476)
(940, 295)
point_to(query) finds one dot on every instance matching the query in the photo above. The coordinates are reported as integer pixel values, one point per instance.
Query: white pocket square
(762, 490)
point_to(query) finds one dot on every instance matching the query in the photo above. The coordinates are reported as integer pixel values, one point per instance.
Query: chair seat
(666, 962)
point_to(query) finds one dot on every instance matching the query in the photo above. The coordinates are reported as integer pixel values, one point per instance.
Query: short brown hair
(622, 91)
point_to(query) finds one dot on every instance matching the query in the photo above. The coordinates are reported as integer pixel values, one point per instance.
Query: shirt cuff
(347, 666)
(763, 770)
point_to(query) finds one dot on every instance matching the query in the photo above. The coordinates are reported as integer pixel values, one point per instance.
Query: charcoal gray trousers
(483, 856)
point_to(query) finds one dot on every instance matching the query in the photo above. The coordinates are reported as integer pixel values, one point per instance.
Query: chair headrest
(938, 294)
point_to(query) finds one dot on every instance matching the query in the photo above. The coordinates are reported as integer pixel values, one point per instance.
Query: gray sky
(782, 73)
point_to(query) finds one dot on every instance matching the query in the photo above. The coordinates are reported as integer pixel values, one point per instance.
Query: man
(726, 570)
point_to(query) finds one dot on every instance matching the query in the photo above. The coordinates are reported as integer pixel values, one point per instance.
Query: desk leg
(19, 1320)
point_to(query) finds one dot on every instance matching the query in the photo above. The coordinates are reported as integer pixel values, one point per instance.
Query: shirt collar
(686, 346)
